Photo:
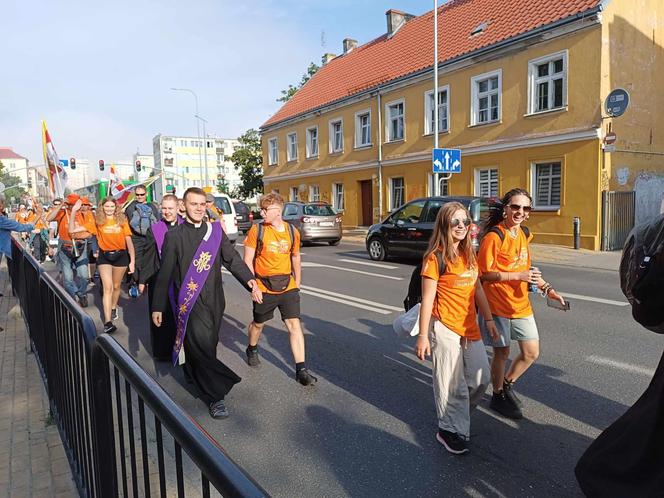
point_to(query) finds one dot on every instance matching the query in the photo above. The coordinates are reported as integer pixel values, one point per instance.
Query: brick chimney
(327, 58)
(396, 19)
(349, 45)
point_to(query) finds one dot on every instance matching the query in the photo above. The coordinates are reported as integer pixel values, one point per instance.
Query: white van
(225, 206)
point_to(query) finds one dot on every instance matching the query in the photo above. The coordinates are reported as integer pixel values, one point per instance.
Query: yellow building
(521, 92)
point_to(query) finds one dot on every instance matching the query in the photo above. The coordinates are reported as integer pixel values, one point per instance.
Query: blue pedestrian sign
(63, 162)
(446, 160)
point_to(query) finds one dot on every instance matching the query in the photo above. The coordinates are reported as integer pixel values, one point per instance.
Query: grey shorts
(510, 329)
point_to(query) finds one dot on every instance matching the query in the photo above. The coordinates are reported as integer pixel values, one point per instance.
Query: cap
(86, 201)
(209, 198)
(72, 198)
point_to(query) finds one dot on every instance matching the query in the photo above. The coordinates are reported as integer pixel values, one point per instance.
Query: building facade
(18, 166)
(183, 162)
(521, 94)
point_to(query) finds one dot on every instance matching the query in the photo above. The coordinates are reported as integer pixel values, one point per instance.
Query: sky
(100, 73)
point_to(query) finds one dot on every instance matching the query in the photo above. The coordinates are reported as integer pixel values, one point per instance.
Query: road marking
(242, 245)
(594, 299)
(367, 263)
(344, 301)
(352, 299)
(307, 264)
(598, 360)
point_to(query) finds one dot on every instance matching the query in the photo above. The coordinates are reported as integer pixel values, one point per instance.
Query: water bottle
(531, 286)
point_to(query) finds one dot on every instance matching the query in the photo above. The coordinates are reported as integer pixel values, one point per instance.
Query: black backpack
(414, 295)
(501, 234)
(259, 238)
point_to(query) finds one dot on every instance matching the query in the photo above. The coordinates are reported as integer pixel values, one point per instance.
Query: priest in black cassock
(148, 263)
(201, 366)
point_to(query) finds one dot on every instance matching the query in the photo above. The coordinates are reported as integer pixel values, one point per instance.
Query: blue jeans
(68, 266)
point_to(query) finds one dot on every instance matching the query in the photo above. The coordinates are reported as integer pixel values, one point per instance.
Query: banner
(57, 177)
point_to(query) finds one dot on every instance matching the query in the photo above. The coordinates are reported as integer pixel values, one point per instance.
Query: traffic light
(72, 162)
(101, 165)
(138, 165)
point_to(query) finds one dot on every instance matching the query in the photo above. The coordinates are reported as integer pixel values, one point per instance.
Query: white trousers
(460, 377)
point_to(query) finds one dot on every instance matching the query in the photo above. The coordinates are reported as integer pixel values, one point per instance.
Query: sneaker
(83, 301)
(452, 442)
(114, 314)
(505, 406)
(109, 328)
(305, 378)
(252, 358)
(508, 389)
(218, 409)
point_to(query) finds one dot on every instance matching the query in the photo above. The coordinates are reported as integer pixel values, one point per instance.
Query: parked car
(243, 215)
(316, 221)
(224, 205)
(407, 230)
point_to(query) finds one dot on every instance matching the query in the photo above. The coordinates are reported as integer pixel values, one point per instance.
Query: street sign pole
(436, 180)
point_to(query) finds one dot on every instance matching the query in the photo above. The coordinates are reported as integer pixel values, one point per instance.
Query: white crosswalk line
(344, 301)
(581, 297)
(599, 360)
(352, 298)
(368, 263)
(307, 264)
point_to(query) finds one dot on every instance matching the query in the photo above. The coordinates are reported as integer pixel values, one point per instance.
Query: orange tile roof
(410, 49)
(8, 153)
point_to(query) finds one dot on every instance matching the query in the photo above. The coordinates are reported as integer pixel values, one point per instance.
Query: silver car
(316, 221)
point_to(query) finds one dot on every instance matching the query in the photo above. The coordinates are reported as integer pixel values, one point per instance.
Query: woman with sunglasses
(451, 294)
(505, 264)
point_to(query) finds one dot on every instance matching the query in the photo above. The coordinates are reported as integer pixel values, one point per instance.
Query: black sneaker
(83, 301)
(252, 358)
(452, 442)
(508, 389)
(109, 328)
(218, 409)
(305, 378)
(114, 314)
(505, 406)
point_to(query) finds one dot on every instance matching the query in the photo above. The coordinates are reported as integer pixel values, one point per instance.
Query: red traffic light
(101, 165)
(138, 165)
(72, 162)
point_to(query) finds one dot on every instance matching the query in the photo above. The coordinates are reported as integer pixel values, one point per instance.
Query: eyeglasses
(140, 195)
(516, 207)
(456, 222)
(265, 210)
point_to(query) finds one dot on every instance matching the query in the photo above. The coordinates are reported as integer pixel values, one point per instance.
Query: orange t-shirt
(508, 298)
(111, 236)
(275, 256)
(63, 224)
(454, 304)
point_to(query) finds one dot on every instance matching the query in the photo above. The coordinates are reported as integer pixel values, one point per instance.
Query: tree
(287, 94)
(11, 182)
(248, 160)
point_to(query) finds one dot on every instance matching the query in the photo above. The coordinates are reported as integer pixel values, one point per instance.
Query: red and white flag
(57, 177)
(115, 187)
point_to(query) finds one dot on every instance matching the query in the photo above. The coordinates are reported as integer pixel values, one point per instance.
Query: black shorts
(113, 258)
(288, 303)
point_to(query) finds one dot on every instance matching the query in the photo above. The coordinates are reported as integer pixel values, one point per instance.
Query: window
(444, 185)
(210, 145)
(486, 182)
(290, 210)
(363, 129)
(338, 193)
(273, 152)
(410, 213)
(485, 104)
(220, 158)
(547, 184)
(314, 193)
(395, 121)
(547, 81)
(443, 111)
(336, 136)
(397, 192)
(291, 138)
(312, 142)
(293, 194)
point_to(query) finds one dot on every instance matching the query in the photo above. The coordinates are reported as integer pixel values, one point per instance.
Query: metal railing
(99, 397)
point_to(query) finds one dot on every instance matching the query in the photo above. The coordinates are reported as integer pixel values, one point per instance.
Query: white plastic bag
(408, 324)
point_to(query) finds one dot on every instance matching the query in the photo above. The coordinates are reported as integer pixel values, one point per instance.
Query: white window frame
(331, 144)
(388, 120)
(478, 181)
(475, 97)
(314, 193)
(272, 151)
(338, 188)
(534, 185)
(293, 191)
(393, 192)
(358, 129)
(310, 152)
(428, 111)
(445, 185)
(534, 81)
(291, 147)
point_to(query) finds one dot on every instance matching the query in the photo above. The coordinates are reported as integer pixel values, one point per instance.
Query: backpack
(501, 234)
(642, 273)
(276, 283)
(414, 295)
(142, 218)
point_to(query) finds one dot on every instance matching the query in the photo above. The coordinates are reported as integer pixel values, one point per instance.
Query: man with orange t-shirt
(275, 260)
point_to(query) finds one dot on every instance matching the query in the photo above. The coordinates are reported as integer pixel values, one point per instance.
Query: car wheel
(377, 250)
(334, 242)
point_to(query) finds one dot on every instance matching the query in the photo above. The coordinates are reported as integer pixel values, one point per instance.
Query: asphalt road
(367, 428)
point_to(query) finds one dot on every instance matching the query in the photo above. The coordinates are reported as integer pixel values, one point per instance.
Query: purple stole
(159, 230)
(193, 282)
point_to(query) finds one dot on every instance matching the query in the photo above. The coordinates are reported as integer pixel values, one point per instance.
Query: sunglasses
(140, 195)
(456, 222)
(516, 207)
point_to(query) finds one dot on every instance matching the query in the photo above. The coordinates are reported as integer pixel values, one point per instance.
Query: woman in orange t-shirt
(505, 263)
(460, 367)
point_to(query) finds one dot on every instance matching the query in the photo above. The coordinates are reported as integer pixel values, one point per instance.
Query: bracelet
(487, 321)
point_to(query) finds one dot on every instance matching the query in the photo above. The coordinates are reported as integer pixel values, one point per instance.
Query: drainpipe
(380, 159)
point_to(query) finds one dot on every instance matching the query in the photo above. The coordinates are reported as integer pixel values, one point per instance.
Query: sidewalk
(542, 253)
(32, 458)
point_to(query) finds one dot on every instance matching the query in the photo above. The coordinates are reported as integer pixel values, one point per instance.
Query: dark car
(406, 232)
(243, 216)
(317, 221)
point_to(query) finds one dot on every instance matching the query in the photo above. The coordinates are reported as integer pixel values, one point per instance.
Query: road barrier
(99, 396)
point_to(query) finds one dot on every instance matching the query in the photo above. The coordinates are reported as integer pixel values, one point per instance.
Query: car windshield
(241, 207)
(318, 210)
(222, 205)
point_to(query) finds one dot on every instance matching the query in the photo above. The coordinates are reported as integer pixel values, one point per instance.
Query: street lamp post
(204, 121)
(198, 127)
